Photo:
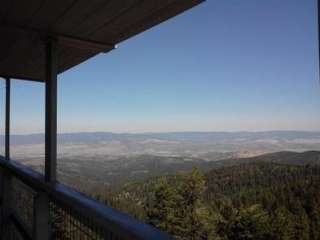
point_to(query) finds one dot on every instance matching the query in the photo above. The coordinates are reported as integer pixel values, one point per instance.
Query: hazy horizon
(164, 132)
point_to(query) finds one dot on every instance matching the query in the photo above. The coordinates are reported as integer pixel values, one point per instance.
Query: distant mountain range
(108, 159)
(205, 145)
(94, 137)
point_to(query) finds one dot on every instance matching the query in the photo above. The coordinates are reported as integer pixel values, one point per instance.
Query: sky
(225, 65)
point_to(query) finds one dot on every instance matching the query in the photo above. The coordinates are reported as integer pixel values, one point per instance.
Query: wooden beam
(84, 44)
(51, 110)
(71, 41)
(18, 77)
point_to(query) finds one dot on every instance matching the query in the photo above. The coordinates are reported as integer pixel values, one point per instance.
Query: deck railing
(32, 208)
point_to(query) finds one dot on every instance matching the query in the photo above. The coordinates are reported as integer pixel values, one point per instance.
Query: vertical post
(51, 110)
(7, 120)
(318, 19)
(41, 223)
(6, 177)
(6, 206)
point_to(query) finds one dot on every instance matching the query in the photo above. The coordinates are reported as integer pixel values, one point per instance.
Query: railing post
(6, 177)
(6, 206)
(41, 217)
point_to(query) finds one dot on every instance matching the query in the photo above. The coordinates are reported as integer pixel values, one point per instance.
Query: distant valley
(104, 160)
(101, 176)
(116, 173)
(205, 145)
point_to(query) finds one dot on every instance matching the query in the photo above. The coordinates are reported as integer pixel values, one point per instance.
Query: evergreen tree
(194, 220)
(162, 213)
(302, 226)
(252, 223)
(282, 224)
(253, 201)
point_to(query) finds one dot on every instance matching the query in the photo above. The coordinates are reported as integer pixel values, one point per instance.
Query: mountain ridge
(178, 136)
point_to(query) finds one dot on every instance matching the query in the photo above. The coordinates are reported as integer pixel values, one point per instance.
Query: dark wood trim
(21, 78)
(85, 44)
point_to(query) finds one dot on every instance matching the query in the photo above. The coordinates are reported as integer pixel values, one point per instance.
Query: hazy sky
(224, 65)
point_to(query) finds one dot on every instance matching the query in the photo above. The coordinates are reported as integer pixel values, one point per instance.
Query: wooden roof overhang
(82, 28)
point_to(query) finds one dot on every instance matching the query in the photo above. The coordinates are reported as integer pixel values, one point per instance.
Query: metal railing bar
(120, 224)
(21, 226)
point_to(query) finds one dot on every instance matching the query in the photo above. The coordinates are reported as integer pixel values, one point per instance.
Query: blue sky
(224, 65)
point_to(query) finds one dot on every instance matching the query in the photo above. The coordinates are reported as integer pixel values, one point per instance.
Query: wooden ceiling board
(83, 29)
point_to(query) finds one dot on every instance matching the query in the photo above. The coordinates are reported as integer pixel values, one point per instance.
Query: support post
(6, 206)
(5, 176)
(7, 119)
(41, 223)
(51, 110)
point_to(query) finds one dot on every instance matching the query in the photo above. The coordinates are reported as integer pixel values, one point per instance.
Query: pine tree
(302, 226)
(252, 223)
(282, 224)
(315, 224)
(162, 213)
(194, 220)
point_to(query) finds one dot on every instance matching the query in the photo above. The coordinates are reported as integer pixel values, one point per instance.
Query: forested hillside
(114, 173)
(248, 201)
